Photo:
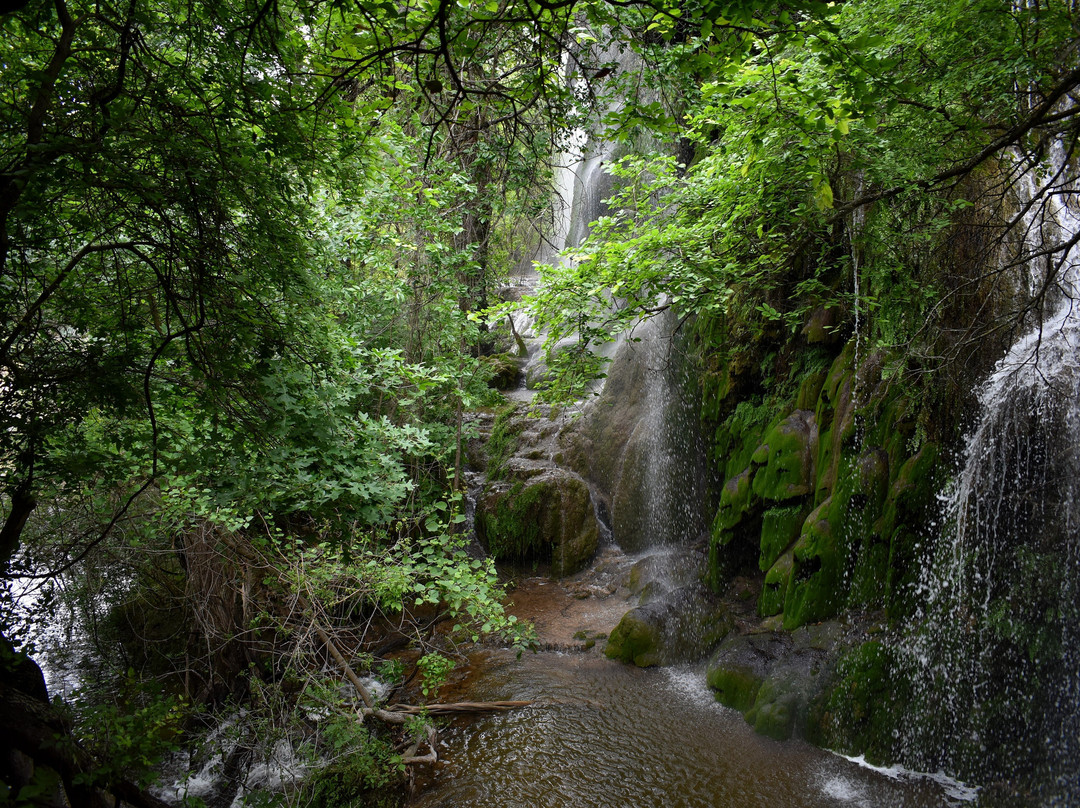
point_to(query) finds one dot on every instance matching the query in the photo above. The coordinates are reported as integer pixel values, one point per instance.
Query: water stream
(601, 734)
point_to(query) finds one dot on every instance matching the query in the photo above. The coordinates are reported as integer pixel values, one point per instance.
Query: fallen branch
(458, 707)
(350, 674)
(411, 758)
(398, 713)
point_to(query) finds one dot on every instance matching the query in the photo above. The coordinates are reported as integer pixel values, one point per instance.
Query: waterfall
(673, 484)
(996, 653)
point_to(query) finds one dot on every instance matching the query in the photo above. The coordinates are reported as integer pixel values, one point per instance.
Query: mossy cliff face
(826, 491)
(829, 488)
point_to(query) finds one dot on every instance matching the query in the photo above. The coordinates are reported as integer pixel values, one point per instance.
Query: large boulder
(548, 517)
(775, 678)
(681, 626)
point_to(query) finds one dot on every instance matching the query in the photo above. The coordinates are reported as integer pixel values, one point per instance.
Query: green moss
(570, 524)
(815, 589)
(511, 529)
(865, 706)
(913, 495)
(779, 528)
(810, 390)
(871, 568)
(788, 453)
(736, 497)
(908, 510)
(839, 374)
(634, 641)
(775, 710)
(739, 436)
(548, 519)
(774, 591)
(735, 685)
(505, 437)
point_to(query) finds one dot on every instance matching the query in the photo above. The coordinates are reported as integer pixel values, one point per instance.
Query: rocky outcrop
(529, 508)
(639, 443)
(548, 517)
(40, 761)
(677, 620)
(782, 681)
(825, 495)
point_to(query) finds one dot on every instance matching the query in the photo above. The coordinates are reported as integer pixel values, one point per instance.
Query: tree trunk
(22, 505)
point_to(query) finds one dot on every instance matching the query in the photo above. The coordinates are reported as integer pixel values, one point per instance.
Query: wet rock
(815, 591)
(630, 499)
(639, 443)
(820, 327)
(537, 374)
(774, 591)
(678, 628)
(741, 664)
(504, 368)
(788, 454)
(543, 514)
(774, 678)
(664, 571)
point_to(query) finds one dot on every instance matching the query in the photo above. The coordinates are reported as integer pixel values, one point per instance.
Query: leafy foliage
(243, 247)
(829, 146)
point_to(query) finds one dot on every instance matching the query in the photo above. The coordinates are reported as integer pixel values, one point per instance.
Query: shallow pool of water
(603, 734)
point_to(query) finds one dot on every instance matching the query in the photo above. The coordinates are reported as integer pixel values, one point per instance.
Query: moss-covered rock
(906, 520)
(504, 369)
(740, 665)
(810, 390)
(735, 685)
(637, 640)
(819, 556)
(774, 590)
(871, 569)
(795, 681)
(549, 517)
(779, 529)
(788, 453)
(861, 520)
(864, 706)
(505, 439)
(821, 326)
(736, 498)
(776, 707)
(683, 625)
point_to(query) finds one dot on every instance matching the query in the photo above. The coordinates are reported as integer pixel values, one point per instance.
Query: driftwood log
(398, 713)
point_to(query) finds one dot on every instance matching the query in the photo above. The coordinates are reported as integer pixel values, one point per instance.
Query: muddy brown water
(603, 734)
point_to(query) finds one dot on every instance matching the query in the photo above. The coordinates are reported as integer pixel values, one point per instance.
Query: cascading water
(996, 655)
(672, 477)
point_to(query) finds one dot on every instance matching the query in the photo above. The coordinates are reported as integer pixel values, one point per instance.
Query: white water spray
(996, 655)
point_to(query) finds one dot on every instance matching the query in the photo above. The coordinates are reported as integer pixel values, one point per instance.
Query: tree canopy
(247, 250)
